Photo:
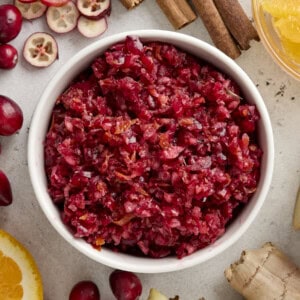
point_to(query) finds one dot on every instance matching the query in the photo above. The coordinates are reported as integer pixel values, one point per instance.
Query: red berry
(85, 290)
(94, 10)
(125, 285)
(56, 3)
(11, 116)
(8, 56)
(5, 190)
(28, 1)
(10, 22)
(41, 54)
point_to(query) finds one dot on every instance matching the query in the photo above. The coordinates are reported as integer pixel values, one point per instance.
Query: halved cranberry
(55, 2)
(31, 10)
(28, 1)
(40, 49)
(62, 19)
(91, 28)
(94, 9)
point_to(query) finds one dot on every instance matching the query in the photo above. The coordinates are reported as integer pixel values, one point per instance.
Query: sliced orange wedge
(19, 276)
(281, 8)
(289, 28)
(292, 50)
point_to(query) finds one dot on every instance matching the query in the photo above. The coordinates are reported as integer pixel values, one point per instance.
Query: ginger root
(265, 273)
(154, 294)
(129, 4)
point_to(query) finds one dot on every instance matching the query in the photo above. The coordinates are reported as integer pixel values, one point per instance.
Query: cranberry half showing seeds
(31, 10)
(62, 19)
(56, 3)
(28, 1)
(91, 28)
(95, 9)
(40, 49)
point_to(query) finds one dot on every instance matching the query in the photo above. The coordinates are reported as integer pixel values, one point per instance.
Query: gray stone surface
(61, 265)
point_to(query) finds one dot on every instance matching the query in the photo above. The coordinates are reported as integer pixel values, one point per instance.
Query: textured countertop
(61, 265)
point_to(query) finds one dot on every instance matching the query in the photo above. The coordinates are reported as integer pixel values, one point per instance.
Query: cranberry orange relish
(151, 151)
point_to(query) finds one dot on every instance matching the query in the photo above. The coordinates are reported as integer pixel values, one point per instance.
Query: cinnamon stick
(237, 22)
(178, 12)
(216, 28)
(129, 4)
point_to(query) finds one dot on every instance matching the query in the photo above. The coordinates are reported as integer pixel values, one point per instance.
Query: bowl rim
(128, 262)
(257, 13)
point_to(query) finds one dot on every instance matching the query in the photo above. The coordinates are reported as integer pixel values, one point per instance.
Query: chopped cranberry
(151, 151)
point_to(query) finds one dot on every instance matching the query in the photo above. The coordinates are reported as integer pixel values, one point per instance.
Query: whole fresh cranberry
(5, 190)
(85, 290)
(125, 285)
(11, 116)
(8, 56)
(10, 22)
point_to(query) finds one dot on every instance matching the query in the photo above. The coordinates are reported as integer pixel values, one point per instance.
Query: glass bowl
(271, 40)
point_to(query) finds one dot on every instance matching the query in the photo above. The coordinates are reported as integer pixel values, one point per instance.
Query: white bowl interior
(40, 123)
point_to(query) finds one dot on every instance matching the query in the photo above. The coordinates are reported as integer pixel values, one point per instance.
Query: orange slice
(289, 28)
(19, 276)
(281, 8)
(292, 49)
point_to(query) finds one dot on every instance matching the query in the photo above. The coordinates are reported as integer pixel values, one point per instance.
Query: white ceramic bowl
(40, 123)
